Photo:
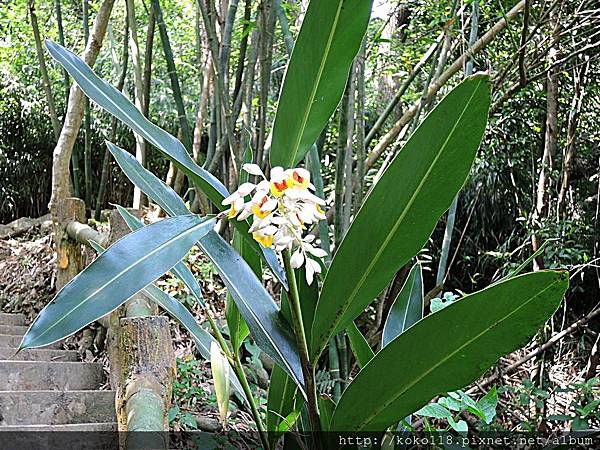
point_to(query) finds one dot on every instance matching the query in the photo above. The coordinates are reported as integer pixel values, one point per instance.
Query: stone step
(13, 341)
(103, 426)
(43, 375)
(38, 354)
(12, 319)
(56, 407)
(15, 330)
(79, 436)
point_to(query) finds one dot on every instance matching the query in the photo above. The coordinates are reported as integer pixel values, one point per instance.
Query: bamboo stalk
(113, 124)
(267, 23)
(140, 143)
(87, 147)
(147, 76)
(447, 242)
(174, 79)
(457, 65)
(43, 71)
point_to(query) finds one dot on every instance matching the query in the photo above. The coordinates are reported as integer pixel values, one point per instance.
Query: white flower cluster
(281, 207)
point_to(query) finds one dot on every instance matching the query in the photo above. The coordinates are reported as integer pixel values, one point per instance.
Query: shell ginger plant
(439, 353)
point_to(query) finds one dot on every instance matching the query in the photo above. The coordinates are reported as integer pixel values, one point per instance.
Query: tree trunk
(66, 83)
(574, 113)
(74, 115)
(541, 210)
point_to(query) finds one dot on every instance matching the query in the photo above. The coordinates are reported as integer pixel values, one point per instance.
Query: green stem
(234, 360)
(246, 387)
(307, 369)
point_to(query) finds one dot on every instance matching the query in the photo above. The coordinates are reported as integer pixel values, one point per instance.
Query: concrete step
(13, 341)
(16, 330)
(38, 354)
(12, 319)
(41, 375)
(56, 407)
(108, 426)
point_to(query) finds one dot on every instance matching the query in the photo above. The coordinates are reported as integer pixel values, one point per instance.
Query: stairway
(49, 389)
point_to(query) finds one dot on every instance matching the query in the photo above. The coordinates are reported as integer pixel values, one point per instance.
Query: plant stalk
(307, 368)
(234, 360)
(246, 387)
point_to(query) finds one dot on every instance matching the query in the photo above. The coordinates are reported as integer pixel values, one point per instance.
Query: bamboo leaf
(455, 346)
(125, 268)
(386, 234)
(407, 308)
(314, 82)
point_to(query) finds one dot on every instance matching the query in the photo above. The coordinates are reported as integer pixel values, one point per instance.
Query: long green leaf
(359, 345)
(173, 205)
(265, 323)
(270, 331)
(448, 350)
(281, 401)
(407, 308)
(180, 270)
(402, 209)
(329, 39)
(126, 267)
(114, 102)
(202, 338)
(238, 328)
(147, 182)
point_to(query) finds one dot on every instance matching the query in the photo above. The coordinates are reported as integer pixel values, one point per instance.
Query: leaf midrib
(315, 88)
(450, 355)
(119, 275)
(389, 236)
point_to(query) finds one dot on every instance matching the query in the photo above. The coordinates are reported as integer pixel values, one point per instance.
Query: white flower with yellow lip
(281, 207)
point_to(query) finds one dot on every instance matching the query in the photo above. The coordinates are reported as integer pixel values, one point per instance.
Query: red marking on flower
(281, 186)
